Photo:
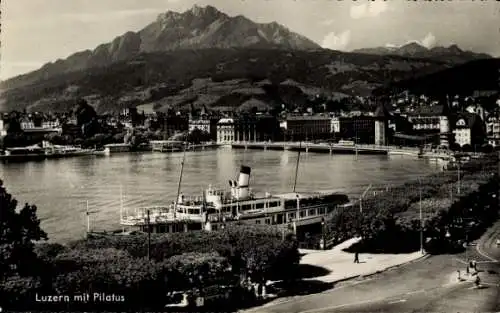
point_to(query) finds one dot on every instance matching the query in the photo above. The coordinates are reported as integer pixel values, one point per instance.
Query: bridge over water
(327, 148)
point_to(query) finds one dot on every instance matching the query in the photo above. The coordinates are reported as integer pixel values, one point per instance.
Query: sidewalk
(341, 264)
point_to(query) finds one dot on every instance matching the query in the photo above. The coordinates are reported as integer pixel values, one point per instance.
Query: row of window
(302, 214)
(426, 126)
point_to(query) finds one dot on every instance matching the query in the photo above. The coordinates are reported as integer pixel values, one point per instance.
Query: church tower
(381, 125)
(444, 125)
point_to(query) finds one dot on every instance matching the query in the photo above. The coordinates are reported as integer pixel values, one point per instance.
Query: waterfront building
(335, 125)
(381, 120)
(493, 129)
(26, 123)
(173, 124)
(3, 127)
(469, 130)
(225, 131)
(256, 127)
(309, 127)
(205, 124)
(432, 123)
(51, 124)
(360, 129)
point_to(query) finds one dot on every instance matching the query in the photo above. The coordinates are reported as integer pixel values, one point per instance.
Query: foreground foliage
(390, 222)
(200, 263)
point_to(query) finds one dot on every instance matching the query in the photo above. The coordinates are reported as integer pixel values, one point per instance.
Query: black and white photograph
(263, 156)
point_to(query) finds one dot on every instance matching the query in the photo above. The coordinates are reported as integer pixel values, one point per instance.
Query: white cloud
(372, 9)
(337, 42)
(428, 41)
(327, 22)
(358, 11)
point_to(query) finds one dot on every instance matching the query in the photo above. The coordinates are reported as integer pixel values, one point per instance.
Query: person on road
(356, 257)
(477, 281)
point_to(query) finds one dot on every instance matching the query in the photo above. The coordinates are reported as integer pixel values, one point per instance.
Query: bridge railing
(322, 145)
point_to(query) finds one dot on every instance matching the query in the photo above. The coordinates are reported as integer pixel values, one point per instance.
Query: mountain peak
(455, 48)
(200, 27)
(415, 49)
(198, 10)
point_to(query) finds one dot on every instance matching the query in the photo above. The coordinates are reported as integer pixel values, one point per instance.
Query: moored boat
(216, 207)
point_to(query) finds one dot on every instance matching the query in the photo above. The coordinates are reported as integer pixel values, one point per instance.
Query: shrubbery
(194, 262)
(390, 221)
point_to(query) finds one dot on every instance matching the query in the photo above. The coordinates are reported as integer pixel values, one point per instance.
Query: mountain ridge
(452, 53)
(196, 28)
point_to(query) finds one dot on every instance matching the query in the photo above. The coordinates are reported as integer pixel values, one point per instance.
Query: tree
(18, 231)
(455, 147)
(196, 136)
(467, 148)
(487, 148)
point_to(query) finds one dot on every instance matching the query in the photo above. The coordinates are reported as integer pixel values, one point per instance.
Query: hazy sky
(35, 32)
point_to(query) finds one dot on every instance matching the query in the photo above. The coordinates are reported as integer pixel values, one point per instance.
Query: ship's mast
(297, 167)
(180, 180)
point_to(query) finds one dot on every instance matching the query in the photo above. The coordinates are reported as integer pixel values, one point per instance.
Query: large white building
(469, 130)
(493, 130)
(335, 125)
(200, 124)
(225, 131)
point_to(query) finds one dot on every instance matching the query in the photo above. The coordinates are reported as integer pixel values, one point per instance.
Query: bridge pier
(265, 147)
(331, 151)
(307, 149)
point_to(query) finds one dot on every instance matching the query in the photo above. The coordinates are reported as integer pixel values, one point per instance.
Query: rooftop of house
(466, 120)
(382, 112)
(307, 117)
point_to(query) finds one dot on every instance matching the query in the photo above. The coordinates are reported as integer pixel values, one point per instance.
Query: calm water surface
(61, 188)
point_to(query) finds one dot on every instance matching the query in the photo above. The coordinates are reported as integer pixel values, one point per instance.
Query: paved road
(427, 285)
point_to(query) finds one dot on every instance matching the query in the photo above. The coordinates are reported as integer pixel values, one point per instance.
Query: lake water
(61, 188)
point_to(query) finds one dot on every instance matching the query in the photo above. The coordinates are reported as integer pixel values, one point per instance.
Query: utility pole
(88, 218)
(297, 167)
(458, 189)
(149, 236)
(361, 198)
(421, 219)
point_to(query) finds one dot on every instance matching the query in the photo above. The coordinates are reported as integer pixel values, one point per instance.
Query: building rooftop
(225, 121)
(469, 118)
(307, 117)
(381, 112)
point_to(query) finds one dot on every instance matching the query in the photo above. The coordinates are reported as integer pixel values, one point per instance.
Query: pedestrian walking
(477, 281)
(356, 257)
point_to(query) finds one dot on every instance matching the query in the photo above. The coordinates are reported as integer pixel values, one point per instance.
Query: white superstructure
(216, 207)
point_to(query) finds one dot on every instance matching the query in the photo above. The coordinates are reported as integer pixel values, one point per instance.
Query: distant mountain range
(197, 28)
(450, 54)
(204, 57)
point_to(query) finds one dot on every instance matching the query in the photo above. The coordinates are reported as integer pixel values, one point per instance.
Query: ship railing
(222, 218)
(191, 200)
(159, 219)
(153, 212)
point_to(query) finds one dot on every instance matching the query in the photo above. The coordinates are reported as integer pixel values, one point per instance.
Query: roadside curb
(489, 234)
(346, 279)
(421, 258)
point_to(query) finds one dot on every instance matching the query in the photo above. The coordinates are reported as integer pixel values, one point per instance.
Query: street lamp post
(361, 198)
(323, 233)
(421, 219)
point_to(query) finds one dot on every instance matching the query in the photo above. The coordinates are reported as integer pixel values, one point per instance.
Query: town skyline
(58, 29)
